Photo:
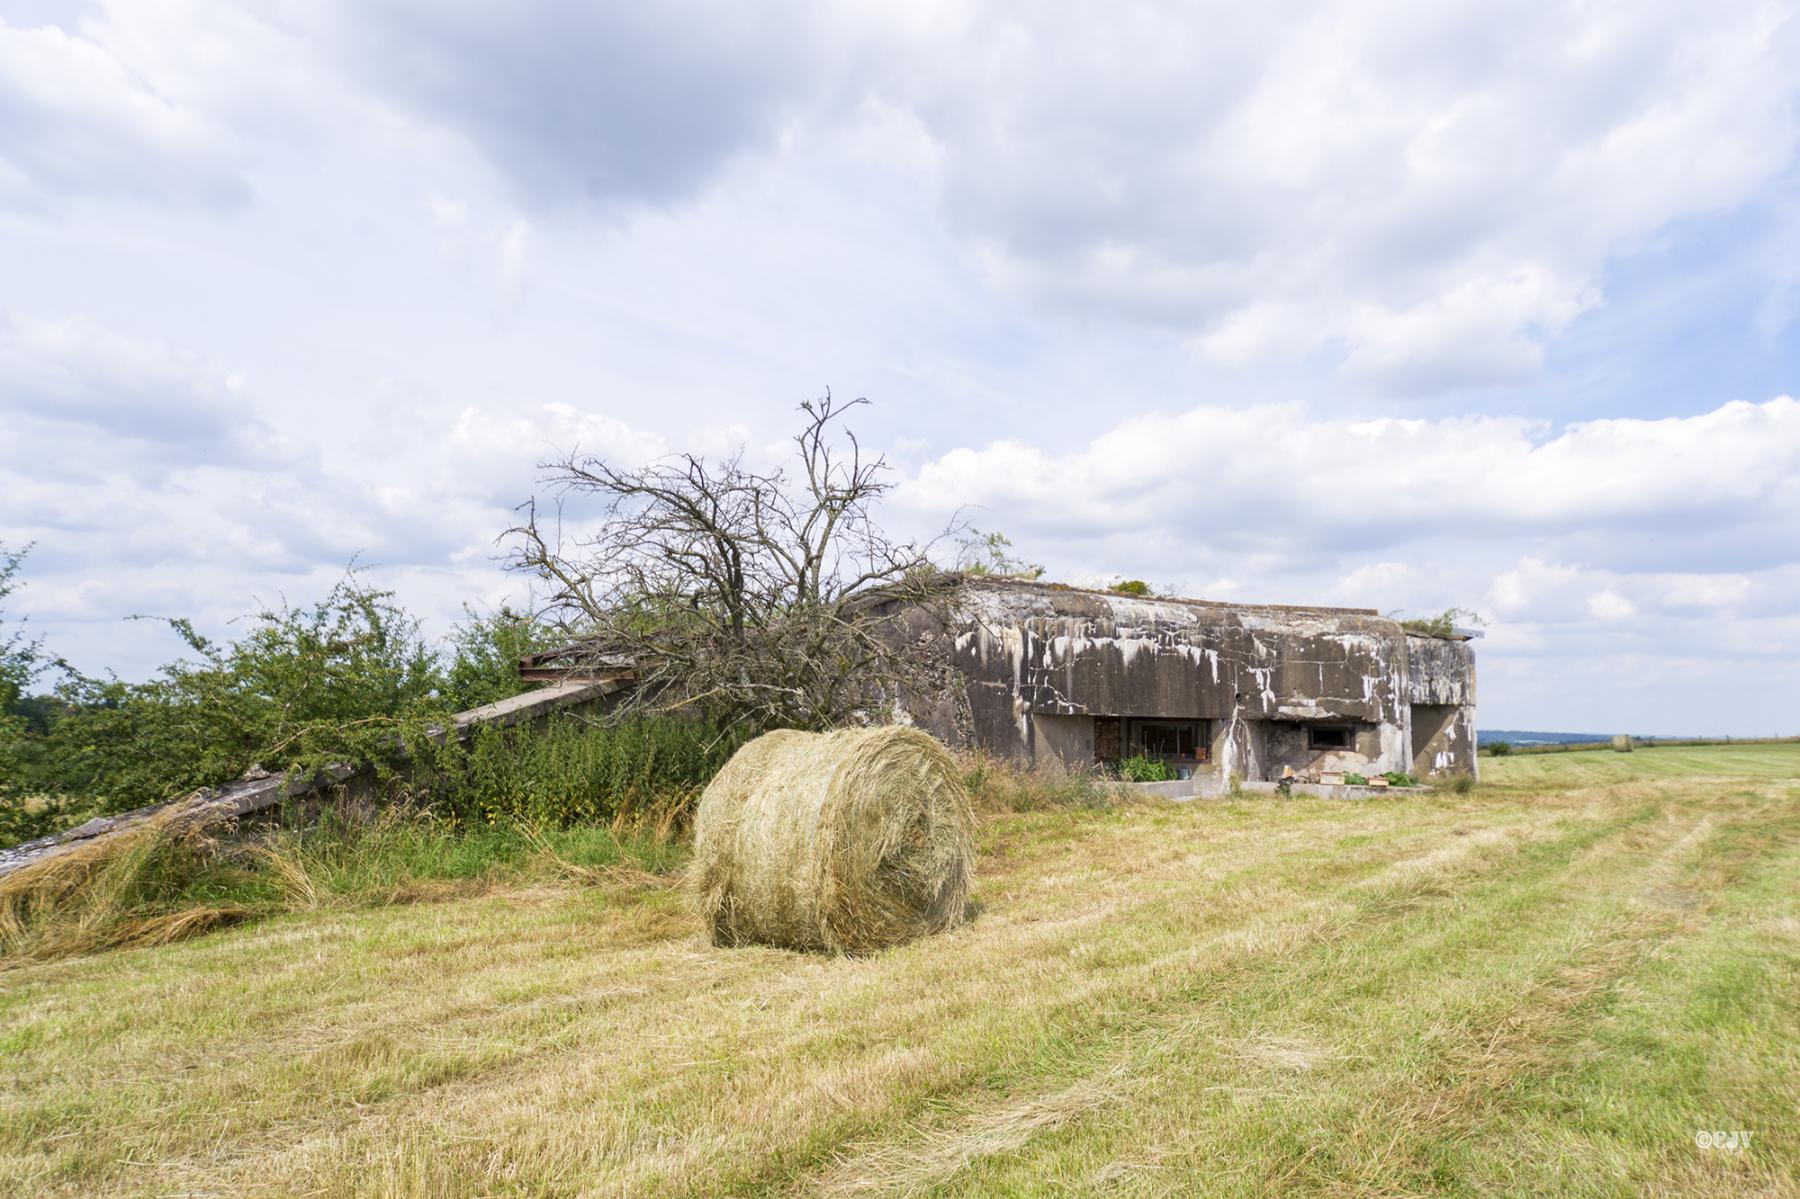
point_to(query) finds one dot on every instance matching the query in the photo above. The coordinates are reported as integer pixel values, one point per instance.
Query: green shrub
(349, 678)
(1353, 779)
(1142, 769)
(341, 679)
(484, 656)
(1131, 587)
(1399, 778)
(1497, 749)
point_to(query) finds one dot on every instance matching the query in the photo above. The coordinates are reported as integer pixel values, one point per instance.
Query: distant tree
(1132, 587)
(760, 598)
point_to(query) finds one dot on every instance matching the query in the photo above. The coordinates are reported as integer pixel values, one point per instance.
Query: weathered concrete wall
(1025, 650)
(1443, 740)
(1062, 740)
(1287, 746)
(1440, 670)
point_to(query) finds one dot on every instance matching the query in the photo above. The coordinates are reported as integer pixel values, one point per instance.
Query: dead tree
(758, 598)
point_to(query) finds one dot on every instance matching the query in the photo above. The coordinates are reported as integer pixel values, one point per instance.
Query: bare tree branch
(758, 599)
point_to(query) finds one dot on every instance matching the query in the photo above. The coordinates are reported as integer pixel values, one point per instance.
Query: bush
(1353, 779)
(1131, 587)
(349, 678)
(485, 653)
(1444, 623)
(1399, 778)
(1498, 749)
(343, 678)
(1141, 769)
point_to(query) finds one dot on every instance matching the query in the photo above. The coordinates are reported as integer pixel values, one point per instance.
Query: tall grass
(158, 885)
(570, 802)
(574, 771)
(997, 786)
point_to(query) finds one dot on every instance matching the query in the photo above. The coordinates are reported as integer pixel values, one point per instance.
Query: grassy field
(1545, 987)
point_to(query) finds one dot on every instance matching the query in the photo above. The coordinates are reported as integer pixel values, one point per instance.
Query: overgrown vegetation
(20, 663)
(1141, 769)
(347, 678)
(989, 555)
(1131, 587)
(1444, 624)
(576, 803)
(157, 886)
(574, 770)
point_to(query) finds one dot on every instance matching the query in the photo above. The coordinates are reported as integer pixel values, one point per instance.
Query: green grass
(1756, 760)
(1544, 987)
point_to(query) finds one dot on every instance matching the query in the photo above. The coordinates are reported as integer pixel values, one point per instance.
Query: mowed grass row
(1543, 987)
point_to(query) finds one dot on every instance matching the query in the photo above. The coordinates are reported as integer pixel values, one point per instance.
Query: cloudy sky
(1389, 305)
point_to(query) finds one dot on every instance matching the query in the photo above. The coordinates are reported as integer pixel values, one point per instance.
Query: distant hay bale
(843, 842)
(1621, 743)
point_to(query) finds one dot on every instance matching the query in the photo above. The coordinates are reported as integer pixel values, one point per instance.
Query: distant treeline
(1494, 747)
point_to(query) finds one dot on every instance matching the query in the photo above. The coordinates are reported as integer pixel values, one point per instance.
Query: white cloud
(1292, 477)
(1426, 199)
(1610, 605)
(99, 402)
(149, 484)
(1155, 285)
(1433, 192)
(77, 120)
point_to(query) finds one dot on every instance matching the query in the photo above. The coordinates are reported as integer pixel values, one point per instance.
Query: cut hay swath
(843, 842)
(104, 894)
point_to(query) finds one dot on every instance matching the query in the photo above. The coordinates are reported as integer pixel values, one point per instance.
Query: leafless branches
(766, 598)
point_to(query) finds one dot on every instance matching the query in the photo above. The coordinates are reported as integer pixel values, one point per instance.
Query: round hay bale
(843, 842)
(1621, 743)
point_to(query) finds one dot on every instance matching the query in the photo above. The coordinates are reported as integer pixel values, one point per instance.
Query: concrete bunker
(1047, 673)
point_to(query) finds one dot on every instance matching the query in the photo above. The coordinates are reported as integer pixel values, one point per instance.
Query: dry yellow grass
(1528, 990)
(848, 842)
